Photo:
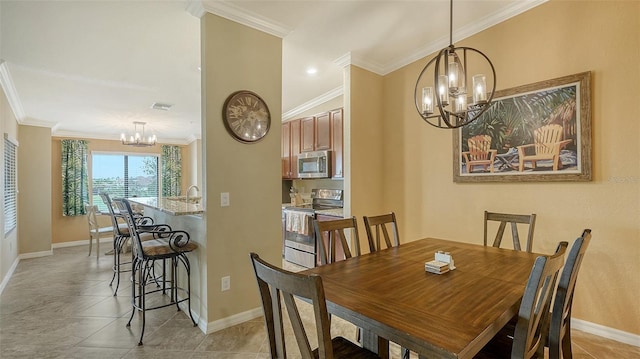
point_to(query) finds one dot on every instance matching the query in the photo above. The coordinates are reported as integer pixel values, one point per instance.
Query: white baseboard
(6, 278)
(606, 332)
(36, 254)
(235, 319)
(79, 243)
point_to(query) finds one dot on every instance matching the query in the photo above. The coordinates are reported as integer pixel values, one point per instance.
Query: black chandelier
(442, 96)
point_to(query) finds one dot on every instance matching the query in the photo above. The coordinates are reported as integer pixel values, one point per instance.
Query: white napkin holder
(446, 258)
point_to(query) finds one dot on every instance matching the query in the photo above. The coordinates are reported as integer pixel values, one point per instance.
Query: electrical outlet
(224, 199)
(226, 283)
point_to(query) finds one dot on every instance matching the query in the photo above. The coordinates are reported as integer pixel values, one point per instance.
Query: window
(10, 185)
(123, 176)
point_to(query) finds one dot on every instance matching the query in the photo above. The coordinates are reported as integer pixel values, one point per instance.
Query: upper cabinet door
(323, 132)
(307, 136)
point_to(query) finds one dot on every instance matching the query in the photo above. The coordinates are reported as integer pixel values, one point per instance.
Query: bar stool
(121, 236)
(160, 243)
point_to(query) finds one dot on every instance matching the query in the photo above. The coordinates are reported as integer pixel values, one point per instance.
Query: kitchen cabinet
(290, 149)
(322, 138)
(307, 134)
(325, 239)
(337, 162)
(315, 133)
(322, 132)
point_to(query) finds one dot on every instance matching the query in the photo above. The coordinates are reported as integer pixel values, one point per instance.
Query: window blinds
(10, 185)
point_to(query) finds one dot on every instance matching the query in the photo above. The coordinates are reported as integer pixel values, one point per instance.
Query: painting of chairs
(536, 132)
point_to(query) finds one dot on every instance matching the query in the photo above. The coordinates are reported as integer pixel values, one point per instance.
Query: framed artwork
(535, 132)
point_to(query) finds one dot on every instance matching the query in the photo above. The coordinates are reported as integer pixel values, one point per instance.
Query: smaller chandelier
(138, 139)
(442, 96)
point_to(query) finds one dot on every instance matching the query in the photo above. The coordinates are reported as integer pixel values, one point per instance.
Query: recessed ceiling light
(312, 71)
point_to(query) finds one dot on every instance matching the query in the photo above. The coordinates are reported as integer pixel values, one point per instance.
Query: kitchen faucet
(189, 190)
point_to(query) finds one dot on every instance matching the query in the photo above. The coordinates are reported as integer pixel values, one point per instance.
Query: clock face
(246, 116)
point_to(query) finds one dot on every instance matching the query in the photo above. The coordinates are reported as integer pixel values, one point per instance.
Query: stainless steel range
(300, 245)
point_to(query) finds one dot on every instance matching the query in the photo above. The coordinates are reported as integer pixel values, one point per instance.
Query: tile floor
(62, 307)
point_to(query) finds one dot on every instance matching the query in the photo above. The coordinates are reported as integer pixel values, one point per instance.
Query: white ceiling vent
(161, 106)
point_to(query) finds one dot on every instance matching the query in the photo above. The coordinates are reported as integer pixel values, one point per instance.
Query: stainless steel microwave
(314, 164)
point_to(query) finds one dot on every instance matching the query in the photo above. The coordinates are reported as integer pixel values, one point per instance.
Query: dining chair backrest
(277, 286)
(528, 338)
(560, 327)
(381, 225)
(334, 231)
(92, 219)
(513, 219)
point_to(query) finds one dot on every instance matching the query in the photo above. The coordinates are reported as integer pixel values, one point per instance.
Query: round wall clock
(246, 116)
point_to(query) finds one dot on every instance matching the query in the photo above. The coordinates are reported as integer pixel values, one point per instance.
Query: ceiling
(92, 68)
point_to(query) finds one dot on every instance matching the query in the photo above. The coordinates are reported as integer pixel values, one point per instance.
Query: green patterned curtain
(171, 170)
(75, 181)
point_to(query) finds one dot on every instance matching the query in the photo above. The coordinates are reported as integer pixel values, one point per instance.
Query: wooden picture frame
(536, 132)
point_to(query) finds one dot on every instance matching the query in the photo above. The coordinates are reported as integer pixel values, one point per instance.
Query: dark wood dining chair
(512, 219)
(527, 341)
(378, 228)
(334, 231)
(560, 328)
(278, 286)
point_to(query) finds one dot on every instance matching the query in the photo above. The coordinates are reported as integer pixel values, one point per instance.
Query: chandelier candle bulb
(461, 103)
(453, 76)
(443, 89)
(479, 89)
(427, 100)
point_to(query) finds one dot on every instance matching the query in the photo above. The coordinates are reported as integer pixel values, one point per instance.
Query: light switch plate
(224, 199)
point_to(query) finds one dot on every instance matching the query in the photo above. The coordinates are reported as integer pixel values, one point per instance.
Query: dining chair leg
(90, 243)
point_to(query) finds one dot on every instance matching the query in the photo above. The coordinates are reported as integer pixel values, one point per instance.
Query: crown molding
(344, 60)
(477, 26)
(244, 17)
(10, 91)
(338, 91)
(38, 123)
(93, 136)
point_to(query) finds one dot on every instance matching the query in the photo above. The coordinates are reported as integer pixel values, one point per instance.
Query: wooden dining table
(451, 315)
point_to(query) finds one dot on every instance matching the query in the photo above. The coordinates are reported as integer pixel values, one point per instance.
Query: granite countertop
(174, 206)
(334, 212)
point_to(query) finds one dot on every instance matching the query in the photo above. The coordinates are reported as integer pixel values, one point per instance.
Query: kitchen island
(175, 206)
(187, 216)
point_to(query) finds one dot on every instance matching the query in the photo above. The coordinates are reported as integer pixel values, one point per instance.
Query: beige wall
(8, 244)
(554, 39)
(235, 57)
(69, 229)
(34, 183)
(364, 146)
